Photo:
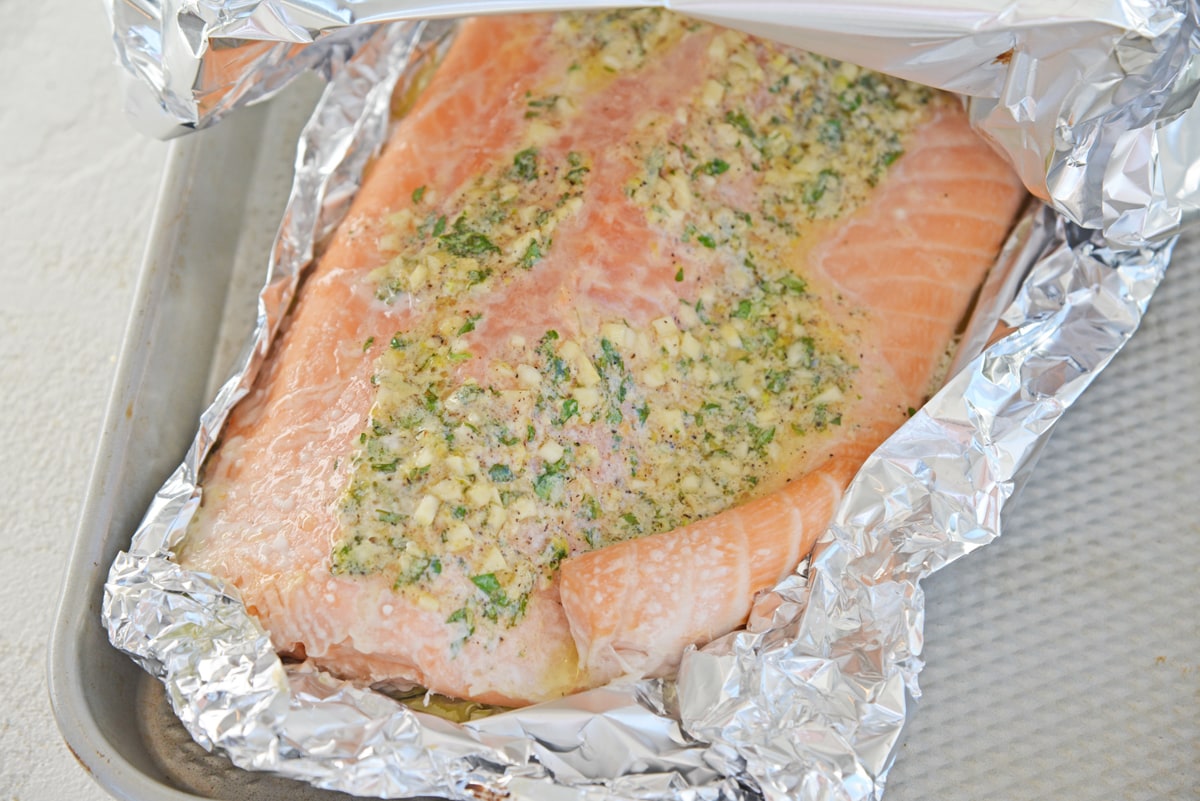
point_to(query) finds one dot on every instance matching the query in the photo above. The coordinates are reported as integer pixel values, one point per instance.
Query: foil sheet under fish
(808, 703)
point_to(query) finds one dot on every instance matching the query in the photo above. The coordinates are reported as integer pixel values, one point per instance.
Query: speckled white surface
(78, 186)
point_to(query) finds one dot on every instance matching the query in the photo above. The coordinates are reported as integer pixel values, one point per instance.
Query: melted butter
(443, 706)
(470, 486)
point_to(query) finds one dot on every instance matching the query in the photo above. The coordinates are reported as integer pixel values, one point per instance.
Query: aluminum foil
(808, 703)
(1092, 100)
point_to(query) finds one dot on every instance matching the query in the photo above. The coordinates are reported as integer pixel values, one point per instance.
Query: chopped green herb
(367, 345)
(532, 255)
(546, 102)
(714, 167)
(816, 188)
(500, 473)
(810, 348)
(683, 148)
(465, 616)
(707, 241)
(777, 381)
(549, 484)
(463, 242)
(760, 437)
(591, 507)
(469, 325)
(820, 416)
(525, 165)
(391, 518)
(793, 283)
(417, 194)
(478, 276)
(490, 586)
(408, 421)
(738, 120)
(570, 408)
(467, 393)
(558, 552)
(611, 357)
(679, 275)
(831, 133)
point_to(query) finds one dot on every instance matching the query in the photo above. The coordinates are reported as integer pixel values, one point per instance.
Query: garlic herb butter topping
(499, 468)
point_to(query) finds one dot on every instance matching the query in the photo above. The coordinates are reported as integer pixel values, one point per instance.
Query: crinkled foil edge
(808, 704)
(1093, 101)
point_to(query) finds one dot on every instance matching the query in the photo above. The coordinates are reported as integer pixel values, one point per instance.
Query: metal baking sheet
(1063, 660)
(219, 205)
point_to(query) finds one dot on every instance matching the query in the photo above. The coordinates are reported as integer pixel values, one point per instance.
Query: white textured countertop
(78, 187)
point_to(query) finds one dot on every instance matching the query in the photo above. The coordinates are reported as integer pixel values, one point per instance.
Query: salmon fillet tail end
(634, 607)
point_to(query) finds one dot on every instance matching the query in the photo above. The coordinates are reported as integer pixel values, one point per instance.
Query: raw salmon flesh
(613, 321)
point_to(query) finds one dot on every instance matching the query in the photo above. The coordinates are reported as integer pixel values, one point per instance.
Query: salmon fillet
(614, 319)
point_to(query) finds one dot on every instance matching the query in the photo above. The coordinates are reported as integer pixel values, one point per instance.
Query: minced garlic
(576, 441)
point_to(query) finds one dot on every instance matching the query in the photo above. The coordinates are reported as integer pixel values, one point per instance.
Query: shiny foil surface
(1092, 100)
(809, 703)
